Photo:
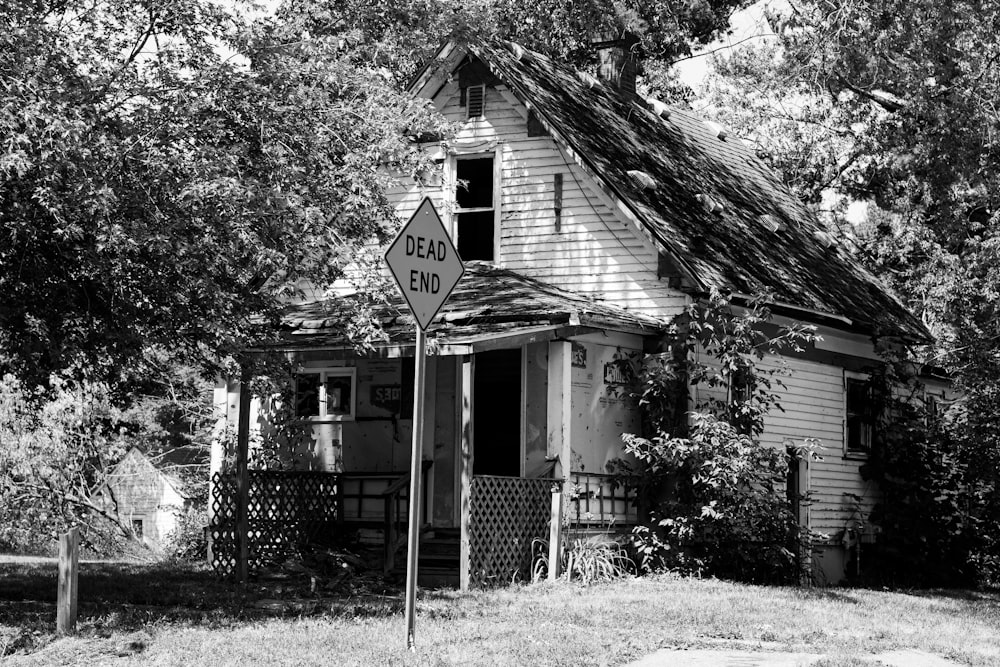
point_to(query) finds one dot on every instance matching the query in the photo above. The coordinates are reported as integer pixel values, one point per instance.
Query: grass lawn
(176, 616)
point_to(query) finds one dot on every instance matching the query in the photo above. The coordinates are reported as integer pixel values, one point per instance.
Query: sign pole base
(416, 457)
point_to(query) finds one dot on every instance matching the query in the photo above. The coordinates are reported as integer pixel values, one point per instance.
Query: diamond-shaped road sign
(424, 263)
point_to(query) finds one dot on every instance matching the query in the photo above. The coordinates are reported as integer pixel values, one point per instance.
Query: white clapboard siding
(813, 402)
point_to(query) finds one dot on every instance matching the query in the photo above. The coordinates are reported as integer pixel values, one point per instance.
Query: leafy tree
(720, 504)
(55, 452)
(156, 193)
(158, 202)
(400, 37)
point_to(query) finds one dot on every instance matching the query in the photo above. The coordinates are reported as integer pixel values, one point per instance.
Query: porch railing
(396, 508)
(290, 509)
(599, 500)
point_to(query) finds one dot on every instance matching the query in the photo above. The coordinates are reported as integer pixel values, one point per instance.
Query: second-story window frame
(452, 169)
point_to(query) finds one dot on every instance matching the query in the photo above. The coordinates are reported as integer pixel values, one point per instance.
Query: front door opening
(497, 413)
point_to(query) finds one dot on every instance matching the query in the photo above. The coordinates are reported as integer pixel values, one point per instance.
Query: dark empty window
(474, 208)
(307, 395)
(860, 416)
(741, 411)
(137, 528)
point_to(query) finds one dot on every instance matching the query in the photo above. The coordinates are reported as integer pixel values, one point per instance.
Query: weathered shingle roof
(730, 249)
(487, 302)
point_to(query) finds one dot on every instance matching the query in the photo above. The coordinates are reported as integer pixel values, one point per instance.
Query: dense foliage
(888, 107)
(719, 496)
(937, 514)
(156, 192)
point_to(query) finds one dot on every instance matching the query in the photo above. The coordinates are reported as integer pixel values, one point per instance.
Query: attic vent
(772, 222)
(717, 130)
(476, 100)
(642, 179)
(711, 205)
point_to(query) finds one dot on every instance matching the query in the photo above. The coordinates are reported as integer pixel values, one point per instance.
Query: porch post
(221, 403)
(243, 480)
(465, 456)
(559, 427)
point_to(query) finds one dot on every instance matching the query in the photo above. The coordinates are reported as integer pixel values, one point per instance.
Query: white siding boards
(813, 402)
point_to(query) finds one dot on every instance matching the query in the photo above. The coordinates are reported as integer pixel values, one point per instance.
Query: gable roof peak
(762, 238)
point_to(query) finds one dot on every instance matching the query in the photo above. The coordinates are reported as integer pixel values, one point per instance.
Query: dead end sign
(424, 263)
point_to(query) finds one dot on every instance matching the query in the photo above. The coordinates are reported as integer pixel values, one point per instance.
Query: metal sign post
(426, 267)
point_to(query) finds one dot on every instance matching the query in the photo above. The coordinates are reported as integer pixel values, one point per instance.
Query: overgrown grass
(201, 621)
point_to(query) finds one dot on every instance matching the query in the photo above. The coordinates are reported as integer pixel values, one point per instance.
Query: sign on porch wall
(392, 397)
(618, 372)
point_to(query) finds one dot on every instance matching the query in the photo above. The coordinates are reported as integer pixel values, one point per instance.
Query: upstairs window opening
(475, 209)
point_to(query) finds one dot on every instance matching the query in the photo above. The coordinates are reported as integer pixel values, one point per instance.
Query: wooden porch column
(223, 416)
(560, 409)
(243, 480)
(465, 459)
(559, 435)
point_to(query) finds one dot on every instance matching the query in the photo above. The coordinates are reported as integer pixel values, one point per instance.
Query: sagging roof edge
(462, 346)
(820, 317)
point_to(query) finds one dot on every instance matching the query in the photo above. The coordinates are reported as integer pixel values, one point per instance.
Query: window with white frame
(326, 394)
(859, 414)
(476, 229)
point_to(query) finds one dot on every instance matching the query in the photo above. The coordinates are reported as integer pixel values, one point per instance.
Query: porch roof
(490, 307)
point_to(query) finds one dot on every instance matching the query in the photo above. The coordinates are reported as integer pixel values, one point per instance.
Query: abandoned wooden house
(146, 497)
(588, 218)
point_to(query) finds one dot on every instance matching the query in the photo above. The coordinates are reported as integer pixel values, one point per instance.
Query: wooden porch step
(439, 558)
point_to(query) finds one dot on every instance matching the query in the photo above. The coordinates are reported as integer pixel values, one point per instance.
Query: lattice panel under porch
(285, 510)
(506, 514)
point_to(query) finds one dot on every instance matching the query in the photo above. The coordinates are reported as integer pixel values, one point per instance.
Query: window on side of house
(859, 418)
(326, 394)
(475, 208)
(137, 527)
(738, 400)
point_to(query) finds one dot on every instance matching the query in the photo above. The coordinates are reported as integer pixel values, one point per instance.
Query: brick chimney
(618, 60)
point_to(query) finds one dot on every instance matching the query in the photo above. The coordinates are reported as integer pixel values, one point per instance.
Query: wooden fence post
(69, 561)
(555, 535)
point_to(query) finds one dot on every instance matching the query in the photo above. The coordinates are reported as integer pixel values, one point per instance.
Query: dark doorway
(497, 413)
